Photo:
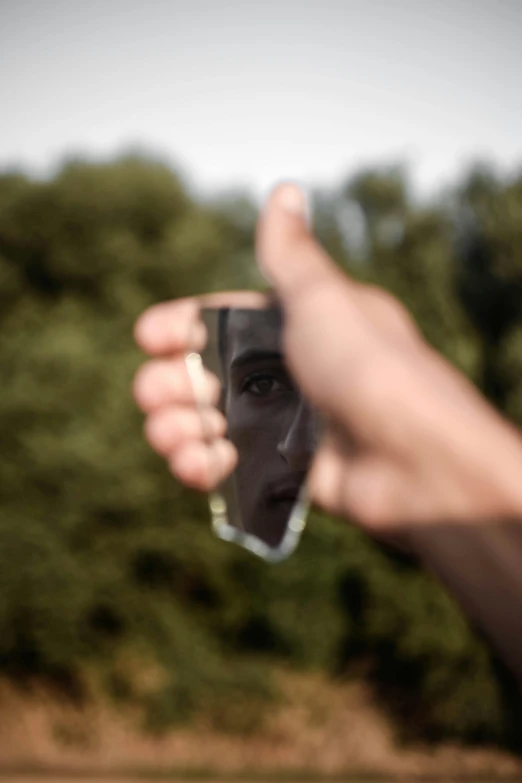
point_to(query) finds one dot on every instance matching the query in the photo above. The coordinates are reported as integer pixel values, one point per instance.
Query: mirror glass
(263, 505)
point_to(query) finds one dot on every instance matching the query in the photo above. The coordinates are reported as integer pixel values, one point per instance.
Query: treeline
(108, 570)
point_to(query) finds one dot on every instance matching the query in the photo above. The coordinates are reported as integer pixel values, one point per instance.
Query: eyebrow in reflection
(255, 355)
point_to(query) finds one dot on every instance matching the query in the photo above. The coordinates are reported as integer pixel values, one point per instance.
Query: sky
(245, 93)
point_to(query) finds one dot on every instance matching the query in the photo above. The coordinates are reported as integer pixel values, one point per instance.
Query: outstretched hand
(408, 439)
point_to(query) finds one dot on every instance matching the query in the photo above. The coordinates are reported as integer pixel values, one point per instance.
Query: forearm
(482, 567)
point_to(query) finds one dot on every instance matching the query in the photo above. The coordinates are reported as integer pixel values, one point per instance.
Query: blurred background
(137, 141)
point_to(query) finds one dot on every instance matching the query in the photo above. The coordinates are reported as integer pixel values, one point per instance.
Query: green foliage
(489, 274)
(107, 564)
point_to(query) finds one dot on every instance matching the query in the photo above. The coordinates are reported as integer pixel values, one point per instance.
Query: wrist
(499, 488)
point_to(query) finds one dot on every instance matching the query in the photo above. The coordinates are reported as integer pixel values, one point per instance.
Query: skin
(410, 446)
(269, 423)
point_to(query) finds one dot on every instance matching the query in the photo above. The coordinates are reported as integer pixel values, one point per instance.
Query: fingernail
(292, 199)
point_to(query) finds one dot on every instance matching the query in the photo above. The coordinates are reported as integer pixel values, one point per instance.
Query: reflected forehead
(254, 329)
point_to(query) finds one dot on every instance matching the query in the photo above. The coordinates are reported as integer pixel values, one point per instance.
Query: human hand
(408, 439)
(188, 433)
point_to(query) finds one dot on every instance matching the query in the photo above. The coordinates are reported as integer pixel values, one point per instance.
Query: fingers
(170, 327)
(189, 437)
(163, 382)
(169, 428)
(325, 482)
(287, 252)
(318, 299)
(326, 477)
(203, 466)
(175, 327)
(192, 442)
(296, 265)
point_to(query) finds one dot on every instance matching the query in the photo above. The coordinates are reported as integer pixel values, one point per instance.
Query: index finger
(170, 327)
(175, 327)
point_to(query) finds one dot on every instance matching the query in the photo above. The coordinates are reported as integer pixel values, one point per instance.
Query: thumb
(287, 253)
(325, 332)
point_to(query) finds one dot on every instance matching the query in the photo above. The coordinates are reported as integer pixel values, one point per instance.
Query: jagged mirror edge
(220, 523)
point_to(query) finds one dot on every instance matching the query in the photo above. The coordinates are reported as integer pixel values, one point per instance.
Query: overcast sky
(247, 92)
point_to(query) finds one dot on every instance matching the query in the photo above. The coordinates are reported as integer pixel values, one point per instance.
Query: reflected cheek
(255, 441)
(247, 426)
(256, 428)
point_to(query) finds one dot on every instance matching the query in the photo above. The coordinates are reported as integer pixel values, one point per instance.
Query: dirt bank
(322, 728)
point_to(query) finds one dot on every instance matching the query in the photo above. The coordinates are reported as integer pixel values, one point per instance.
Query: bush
(106, 563)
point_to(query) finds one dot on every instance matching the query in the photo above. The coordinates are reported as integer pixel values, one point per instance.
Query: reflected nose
(298, 447)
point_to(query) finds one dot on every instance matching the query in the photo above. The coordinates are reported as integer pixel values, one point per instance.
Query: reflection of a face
(268, 421)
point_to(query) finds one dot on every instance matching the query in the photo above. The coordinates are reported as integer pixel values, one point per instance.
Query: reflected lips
(285, 492)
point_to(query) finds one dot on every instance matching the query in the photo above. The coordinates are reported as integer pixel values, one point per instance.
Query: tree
(106, 564)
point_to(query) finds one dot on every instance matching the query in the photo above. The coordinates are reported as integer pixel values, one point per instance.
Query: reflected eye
(262, 384)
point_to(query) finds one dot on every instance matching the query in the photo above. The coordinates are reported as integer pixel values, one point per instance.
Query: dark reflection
(271, 425)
